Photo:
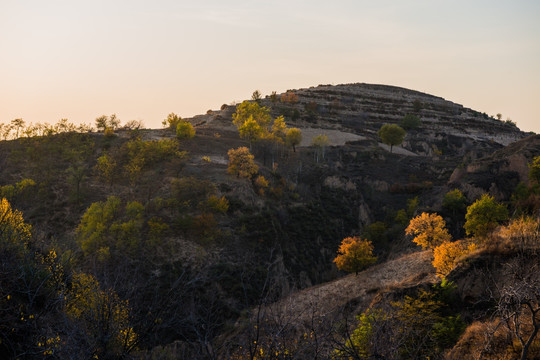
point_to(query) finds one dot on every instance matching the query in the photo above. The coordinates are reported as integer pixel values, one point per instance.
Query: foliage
(293, 138)
(429, 230)
(241, 163)
(14, 232)
(354, 254)
(172, 121)
(410, 121)
(522, 233)
(107, 229)
(185, 130)
(246, 109)
(250, 130)
(534, 170)
(289, 98)
(412, 328)
(107, 122)
(320, 142)
(105, 168)
(391, 134)
(20, 188)
(454, 201)
(256, 96)
(446, 254)
(261, 184)
(102, 316)
(483, 216)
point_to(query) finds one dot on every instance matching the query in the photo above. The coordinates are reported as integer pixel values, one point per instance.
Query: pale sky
(80, 59)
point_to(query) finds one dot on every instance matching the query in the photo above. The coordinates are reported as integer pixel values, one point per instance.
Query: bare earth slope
(358, 291)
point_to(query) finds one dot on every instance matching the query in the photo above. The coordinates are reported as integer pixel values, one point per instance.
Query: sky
(143, 59)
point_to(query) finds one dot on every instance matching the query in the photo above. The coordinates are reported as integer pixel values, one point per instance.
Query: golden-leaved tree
(354, 254)
(241, 163)
(429, 230)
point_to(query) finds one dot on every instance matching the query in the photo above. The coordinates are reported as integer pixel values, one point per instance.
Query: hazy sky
(79, 59)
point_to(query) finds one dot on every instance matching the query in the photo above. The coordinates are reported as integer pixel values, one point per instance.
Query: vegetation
(391, 134)
(354, 254)
(483, 216)
(241, 163)
(430, 230)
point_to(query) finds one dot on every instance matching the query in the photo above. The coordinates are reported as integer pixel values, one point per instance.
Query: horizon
(143, 61)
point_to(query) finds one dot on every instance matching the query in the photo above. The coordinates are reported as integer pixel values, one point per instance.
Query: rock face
(498, 173)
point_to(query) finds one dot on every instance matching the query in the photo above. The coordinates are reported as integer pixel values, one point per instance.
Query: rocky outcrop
(498, 173)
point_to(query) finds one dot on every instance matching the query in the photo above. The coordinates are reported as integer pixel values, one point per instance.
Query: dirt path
(325, 298)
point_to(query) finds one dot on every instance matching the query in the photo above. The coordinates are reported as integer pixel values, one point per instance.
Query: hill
(158, 222)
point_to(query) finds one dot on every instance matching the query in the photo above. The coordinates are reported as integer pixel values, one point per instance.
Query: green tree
(106, 167)
(184, 130)
(241, 163)
(410, 121)
(483, 216)
(391, 134)
(354, 254)
(454, 201)
(429, 230)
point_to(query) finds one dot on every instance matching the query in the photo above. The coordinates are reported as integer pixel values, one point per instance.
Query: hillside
(155, 225)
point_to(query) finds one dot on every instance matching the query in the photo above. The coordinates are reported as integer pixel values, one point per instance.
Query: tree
(107, 122)
(241, 163)
(430, 230)
(534, 170)
(102, 316)
(293, 138)
(391, 134)
(256, 96)
(250, 130)
(354, 254)
(446, 254)
(410, 121)
(184, 130)
(172, 121)
(320, 142)
(106, 167)
(454, 201)
(13, 230)
(17, 124)
(246, 109)
(483, 216)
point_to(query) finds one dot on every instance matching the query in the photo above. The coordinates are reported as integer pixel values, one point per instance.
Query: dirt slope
(358, 291)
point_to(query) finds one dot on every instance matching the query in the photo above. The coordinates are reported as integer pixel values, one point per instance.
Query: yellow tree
(13, 230)
(102, 315)
(429, 230)
(293, 137)
(241, 163)
(446, 254)
(354, 254)
(184, 130)
(250, 130)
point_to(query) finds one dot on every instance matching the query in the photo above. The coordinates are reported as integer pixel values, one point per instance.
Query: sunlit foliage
(483, 216)
(429, 230)
(241, 163)
(354, 254)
